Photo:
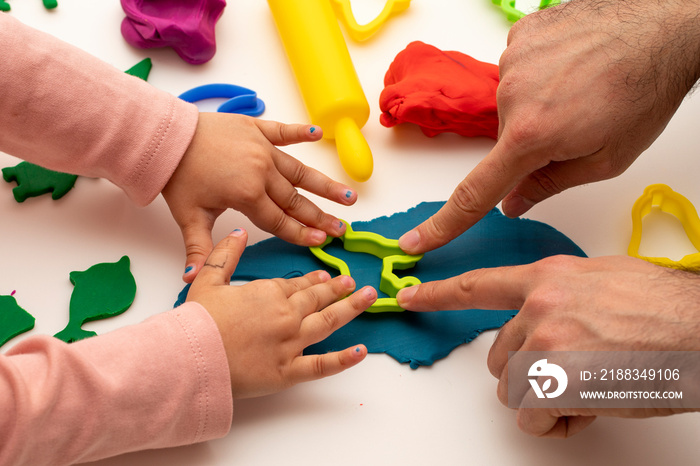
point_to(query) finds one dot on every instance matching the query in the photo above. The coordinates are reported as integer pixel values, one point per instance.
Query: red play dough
(440, 92)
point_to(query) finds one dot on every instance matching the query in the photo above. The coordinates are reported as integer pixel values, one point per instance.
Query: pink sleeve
(162, 383)
(68, 111)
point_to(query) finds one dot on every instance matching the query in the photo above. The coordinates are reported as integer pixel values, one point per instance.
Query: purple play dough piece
(185, 25)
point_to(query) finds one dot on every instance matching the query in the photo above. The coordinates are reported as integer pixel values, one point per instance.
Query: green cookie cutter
(393, 258)
(670, 202)
(513, 14)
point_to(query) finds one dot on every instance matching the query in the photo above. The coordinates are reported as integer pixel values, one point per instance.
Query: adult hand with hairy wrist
(569, 303)
(585, 88)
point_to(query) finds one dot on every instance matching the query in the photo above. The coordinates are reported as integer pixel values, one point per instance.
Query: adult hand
(569, 303)
(266, 324)
(232, 162)
(585, 87)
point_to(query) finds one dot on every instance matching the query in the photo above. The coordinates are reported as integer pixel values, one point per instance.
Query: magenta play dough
(185, 25)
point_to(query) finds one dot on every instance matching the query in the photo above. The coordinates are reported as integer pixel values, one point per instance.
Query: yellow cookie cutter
(671, 202)
(393, 258)
(358, 32)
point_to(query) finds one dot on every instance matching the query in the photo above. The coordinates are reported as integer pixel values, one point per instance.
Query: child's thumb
(198, 245)
(222, 261)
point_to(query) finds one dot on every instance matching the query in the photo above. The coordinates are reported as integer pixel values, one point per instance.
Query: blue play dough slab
(417, 338)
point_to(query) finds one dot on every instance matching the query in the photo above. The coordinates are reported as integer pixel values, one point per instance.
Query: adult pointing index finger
(483, 188)
(500, 288)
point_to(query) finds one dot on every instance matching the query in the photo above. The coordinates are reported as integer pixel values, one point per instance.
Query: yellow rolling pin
(326, 76)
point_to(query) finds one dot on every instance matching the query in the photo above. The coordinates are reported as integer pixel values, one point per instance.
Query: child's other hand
(232, 162)
(266, 324)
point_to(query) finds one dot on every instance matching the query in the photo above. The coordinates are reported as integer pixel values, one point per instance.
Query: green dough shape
(48, 4)
(104, 290)
(13, 319)
(33, 180)
(142, 69)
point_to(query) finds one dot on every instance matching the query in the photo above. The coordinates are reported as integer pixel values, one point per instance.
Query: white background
(380, 412)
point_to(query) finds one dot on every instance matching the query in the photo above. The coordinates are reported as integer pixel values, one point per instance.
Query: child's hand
(266, 324)
(232, 162)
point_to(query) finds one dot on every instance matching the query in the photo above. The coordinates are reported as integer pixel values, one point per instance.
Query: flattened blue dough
(417, 338)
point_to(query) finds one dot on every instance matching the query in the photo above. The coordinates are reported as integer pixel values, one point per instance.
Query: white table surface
(380, 412)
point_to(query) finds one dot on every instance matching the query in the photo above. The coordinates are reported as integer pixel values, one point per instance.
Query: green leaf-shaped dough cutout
(104, 290)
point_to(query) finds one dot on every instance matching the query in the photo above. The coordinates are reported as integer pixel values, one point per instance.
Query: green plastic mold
(513, 14)
(393, 258)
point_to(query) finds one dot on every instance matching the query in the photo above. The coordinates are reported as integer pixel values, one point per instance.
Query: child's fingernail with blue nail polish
(348, 194)
(237, 232)
(312, 130)
(189, 269)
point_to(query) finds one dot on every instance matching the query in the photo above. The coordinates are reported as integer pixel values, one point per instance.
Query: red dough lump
(440, 92)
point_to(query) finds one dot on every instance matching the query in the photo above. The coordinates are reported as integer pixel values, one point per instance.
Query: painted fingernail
(189, 269)
(369, 293)
(312, 130)
(357, 349)
(237, 232)
(348, 194)
(409, 240)
(405, 295)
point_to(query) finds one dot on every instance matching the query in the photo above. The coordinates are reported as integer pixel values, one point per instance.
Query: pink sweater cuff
(162, 383)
